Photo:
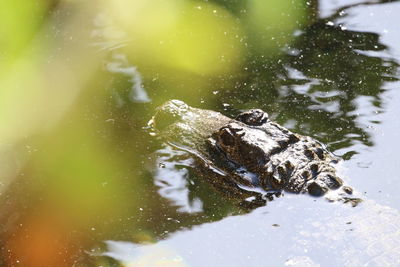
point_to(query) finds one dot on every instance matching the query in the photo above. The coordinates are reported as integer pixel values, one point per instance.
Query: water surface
(81, 178)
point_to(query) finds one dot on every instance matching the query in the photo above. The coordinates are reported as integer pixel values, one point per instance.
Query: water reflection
(171, 175)
(120, 65)
(315, 89)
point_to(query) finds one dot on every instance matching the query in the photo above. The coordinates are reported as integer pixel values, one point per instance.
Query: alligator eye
(235, 128)
(253, 117)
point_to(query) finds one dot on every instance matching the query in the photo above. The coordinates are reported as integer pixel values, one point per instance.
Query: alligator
(250, 157)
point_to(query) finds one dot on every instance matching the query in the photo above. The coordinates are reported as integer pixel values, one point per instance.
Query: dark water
(337, 82)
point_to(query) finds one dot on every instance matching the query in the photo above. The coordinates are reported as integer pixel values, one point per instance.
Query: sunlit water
(297, 230)
(337, 82)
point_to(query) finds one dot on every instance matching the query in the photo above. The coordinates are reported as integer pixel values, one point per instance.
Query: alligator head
(278, 159)
(281, 159)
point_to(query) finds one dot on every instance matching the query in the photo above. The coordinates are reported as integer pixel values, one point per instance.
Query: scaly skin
(250, 151)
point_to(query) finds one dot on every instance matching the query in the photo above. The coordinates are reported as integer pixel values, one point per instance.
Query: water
(92, 190)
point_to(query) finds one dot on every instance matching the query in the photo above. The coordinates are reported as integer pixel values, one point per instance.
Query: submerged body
(249, 152)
